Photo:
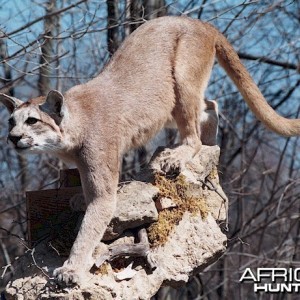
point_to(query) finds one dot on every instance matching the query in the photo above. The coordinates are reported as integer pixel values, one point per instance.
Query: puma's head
(34, 125)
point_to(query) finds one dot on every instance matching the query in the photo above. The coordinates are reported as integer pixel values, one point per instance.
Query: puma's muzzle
(20, 142)
(14, 139)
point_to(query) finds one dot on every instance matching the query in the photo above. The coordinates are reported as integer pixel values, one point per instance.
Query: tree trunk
(44, 82)
(113, 40)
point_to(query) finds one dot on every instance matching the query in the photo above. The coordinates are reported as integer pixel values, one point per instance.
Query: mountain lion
(159, 74)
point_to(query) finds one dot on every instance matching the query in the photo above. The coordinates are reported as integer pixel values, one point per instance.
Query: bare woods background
(55, 44)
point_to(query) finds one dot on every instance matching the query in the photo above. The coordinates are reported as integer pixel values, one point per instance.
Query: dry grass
(176, 189)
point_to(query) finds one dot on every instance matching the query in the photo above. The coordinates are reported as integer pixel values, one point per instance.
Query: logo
(273, 280)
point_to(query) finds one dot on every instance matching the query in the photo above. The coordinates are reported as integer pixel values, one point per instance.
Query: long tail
(229, 60)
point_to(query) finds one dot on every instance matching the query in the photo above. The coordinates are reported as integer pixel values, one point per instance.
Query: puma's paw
(173, 160)
(77, 203)
(169, 161)
(68, 275)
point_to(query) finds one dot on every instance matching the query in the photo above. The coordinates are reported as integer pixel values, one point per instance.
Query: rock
(195, 242)
(127, 273)
(164, 203)
(202, 164)
(141, 210)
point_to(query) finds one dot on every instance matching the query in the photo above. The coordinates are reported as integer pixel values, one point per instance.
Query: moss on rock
(177, 189)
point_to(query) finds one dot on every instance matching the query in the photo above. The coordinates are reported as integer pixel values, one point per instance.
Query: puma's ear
(10, 102)
(54, 105)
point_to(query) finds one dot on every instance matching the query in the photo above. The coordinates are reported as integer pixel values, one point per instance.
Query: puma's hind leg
(186, 114)
(173, 160)
(209, 123)
(190, 80)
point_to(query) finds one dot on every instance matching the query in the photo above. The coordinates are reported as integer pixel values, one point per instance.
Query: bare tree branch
(42, 18)
(273, 62)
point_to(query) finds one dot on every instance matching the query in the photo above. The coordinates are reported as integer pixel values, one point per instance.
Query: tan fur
(209, 123)
(159, 74)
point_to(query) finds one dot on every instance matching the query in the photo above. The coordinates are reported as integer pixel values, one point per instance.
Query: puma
(159, 74)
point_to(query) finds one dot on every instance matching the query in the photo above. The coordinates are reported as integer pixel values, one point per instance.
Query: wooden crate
(48, 209)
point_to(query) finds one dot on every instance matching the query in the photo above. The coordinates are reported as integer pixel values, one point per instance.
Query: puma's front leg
(99, 186)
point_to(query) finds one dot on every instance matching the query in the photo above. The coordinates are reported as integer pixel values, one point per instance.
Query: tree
(47, 47)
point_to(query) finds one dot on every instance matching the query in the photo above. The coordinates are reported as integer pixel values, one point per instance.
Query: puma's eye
(31, 121)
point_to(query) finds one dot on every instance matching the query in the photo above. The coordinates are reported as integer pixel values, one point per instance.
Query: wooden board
(45, 209)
